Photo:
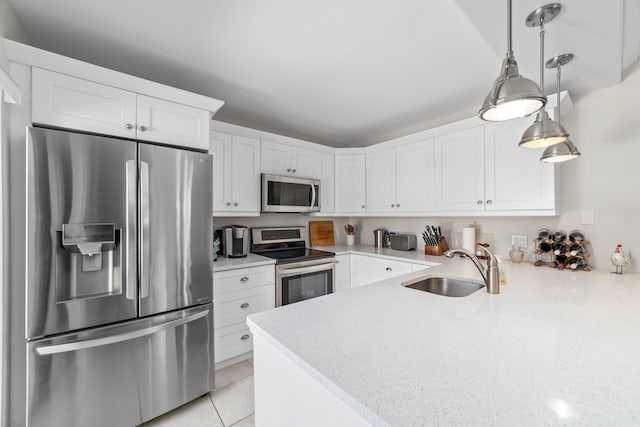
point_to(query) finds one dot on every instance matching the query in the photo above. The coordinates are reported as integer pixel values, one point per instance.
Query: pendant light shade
(543, 132)
(511, 95)
(560, 152)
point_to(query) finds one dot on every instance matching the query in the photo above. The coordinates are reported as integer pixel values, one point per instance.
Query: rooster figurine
(620, 259)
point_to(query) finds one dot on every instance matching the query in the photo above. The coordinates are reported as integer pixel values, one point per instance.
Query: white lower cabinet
(342, 273)
(366, 270)
(237, 294)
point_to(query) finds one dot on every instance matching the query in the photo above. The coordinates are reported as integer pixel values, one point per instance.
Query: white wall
(605, 126)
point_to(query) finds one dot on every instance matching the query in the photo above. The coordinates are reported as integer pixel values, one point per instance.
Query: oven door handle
(303, 270)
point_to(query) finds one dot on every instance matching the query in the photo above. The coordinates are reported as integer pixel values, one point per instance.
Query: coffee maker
(234, 241)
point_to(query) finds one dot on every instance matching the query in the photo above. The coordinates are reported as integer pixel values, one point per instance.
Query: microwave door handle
(313, 196)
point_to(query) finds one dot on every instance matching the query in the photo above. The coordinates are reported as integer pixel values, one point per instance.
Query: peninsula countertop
(554, 348)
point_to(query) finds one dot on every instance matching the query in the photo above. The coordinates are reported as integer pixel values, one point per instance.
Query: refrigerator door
(81, 233)
(121, 375)
(175, 228)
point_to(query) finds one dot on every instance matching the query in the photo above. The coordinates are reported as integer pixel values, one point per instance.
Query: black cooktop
(283, 256)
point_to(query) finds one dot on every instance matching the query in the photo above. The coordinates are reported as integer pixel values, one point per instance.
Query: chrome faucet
(492, 274)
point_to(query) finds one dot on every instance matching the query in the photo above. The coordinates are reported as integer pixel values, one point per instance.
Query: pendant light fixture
(544, 131)
(565, 150)
(511, 95)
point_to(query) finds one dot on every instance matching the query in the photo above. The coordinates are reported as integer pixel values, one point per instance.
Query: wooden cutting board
(321, 233)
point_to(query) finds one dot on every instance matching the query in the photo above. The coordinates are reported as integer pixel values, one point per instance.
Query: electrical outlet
(519, 240)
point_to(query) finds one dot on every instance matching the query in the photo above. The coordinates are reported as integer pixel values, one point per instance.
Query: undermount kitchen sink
(447, 286)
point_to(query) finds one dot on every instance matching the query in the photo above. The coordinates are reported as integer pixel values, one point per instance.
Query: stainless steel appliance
(118, 281)
(301, 273)
(403, 242)
(381, 238)
(289, 194)
(235, 241)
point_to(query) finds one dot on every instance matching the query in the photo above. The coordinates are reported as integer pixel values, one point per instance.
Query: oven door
(289, 194)
(304, 280)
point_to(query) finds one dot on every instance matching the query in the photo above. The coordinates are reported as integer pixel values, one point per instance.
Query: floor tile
(234, 401)
(247, 422)
(233, 373)
(199, 412)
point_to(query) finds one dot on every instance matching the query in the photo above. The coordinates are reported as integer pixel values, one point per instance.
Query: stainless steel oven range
(301, 273)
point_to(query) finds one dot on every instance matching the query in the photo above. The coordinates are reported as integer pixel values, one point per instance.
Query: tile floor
(229, 405)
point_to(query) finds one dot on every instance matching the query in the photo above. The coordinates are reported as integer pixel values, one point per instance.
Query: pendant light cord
(558, 91)
(509, 45)
(542, 32)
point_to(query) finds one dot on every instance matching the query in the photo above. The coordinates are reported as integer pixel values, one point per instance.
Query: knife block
(437, 250)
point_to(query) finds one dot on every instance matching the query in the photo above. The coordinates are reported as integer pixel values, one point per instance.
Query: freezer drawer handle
(98, 342)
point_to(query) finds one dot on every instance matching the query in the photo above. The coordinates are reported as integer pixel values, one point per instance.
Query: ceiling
(337, 72)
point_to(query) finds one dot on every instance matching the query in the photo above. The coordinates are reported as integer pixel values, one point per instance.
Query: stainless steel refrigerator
(119, 279)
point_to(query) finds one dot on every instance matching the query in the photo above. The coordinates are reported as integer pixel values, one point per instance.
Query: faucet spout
(491, 275)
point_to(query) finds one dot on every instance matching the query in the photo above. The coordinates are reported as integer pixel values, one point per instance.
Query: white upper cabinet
(459, 166)
(327, 184)
(515, 178)
(236, 170)
(280, 159)
(381, 181)
(171, 123)
(350, 183)
(415, 183)
(69, 102)
(401, 180)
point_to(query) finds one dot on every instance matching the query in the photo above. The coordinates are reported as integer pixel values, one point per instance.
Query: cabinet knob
(398, 205)
(337, 262)
(294, 171)
(143, 128)
(362, 206)
(489, 202)
(389, 269)
(244, 305)
(393, 206)
(479, 202)
(245, 337)
(289, 170)
(235, 204)
(228, 203)
(244, 279)
(128, 126)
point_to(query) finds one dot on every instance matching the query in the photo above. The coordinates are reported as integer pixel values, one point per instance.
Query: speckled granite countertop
(554, 348)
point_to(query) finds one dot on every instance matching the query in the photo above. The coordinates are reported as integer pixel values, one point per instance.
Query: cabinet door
(460, 170)
(366, 270)
(327, 184)
(305, 164)
(245, 174)
(381, 181)
(220, 149)
(172, 123)
(342, 272)
(350, 183)
(515, 177)
(68, 102)
(275, 158)
(416, 177)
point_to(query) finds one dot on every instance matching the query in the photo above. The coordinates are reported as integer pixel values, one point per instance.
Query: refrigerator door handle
(145, 247)
(131, 184)
(113, 339)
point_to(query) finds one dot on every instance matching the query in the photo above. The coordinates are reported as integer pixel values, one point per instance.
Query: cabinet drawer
(234, 307)
(243, 278)
(232, 341)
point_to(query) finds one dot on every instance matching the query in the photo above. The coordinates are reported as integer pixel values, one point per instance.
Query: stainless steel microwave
(290, 194)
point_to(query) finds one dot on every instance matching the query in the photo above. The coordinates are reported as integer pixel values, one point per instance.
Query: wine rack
(562, 250)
